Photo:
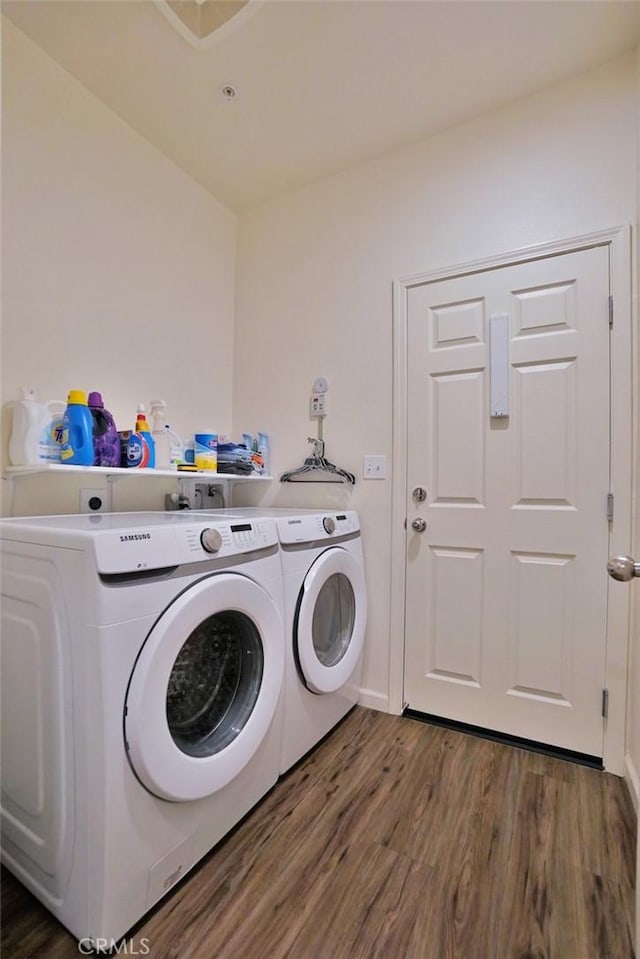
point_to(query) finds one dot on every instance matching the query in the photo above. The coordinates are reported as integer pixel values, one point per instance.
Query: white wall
(118, 269)
(315, 272)
(119, 274)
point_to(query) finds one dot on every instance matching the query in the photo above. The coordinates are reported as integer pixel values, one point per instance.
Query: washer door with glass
(330, 622)
(204, 688)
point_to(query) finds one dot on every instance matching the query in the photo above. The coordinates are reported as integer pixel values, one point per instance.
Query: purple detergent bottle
(106, 441)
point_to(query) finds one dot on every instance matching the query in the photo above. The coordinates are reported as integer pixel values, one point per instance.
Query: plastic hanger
(315, 463)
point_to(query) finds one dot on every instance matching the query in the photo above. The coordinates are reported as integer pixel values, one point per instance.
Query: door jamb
(618, 239)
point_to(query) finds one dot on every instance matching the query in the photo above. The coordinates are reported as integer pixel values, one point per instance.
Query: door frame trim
(618, 240)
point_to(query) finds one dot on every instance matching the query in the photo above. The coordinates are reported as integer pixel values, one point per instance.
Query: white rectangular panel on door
(499, 353)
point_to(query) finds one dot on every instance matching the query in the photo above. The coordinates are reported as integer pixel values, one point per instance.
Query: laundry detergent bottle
(161, 440)
(140, 445)
(51, 436)
(106, 441)
(36, 430)
(142, 427)
(77, 431)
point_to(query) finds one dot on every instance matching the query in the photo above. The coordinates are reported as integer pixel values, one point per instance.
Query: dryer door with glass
(330, 621)
(204, 688)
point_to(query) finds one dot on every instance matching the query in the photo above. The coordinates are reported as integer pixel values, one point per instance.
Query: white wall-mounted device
(318, 403)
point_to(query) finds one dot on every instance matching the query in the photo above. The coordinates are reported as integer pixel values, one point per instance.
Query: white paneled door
(506, 585)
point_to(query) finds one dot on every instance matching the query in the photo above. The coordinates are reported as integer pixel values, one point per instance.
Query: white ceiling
(321, 84)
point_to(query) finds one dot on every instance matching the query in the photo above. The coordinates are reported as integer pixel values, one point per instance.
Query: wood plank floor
(398, 840)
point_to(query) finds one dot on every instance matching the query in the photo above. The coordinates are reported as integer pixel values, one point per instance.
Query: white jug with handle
(36, 430)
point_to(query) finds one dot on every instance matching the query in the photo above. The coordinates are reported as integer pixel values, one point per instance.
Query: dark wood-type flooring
(398, 840)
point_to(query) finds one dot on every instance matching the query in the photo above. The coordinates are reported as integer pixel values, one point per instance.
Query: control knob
(211, 540)
(329, 524)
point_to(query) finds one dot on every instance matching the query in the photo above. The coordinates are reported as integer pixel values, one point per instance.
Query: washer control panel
(157, 546)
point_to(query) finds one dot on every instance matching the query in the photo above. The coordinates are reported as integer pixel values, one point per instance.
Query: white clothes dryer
(142, 671)
(325, 601)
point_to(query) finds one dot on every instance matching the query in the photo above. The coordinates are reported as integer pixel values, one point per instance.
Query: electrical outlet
(374, 467)
(95, 500)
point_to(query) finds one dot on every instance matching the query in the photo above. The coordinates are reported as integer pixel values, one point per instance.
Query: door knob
(623, 568)
(419, 494)
(420, 525)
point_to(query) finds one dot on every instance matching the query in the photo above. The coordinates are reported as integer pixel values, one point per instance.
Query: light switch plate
(374, 467)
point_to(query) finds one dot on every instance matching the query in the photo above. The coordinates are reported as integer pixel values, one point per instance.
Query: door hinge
(610, 507)
(611, 312)
(605, 703)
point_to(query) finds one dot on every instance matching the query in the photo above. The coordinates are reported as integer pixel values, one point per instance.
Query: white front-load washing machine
(325, 601)
(142, 672)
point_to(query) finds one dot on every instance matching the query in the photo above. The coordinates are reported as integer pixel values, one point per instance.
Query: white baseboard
(633, 782)
(373, 700)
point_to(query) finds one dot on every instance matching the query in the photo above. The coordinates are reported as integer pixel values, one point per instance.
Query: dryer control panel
(317, 527)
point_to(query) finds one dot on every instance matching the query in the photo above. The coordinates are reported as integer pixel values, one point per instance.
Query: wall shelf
(224, 481)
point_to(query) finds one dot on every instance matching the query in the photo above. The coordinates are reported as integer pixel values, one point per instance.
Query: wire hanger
(317, 462)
